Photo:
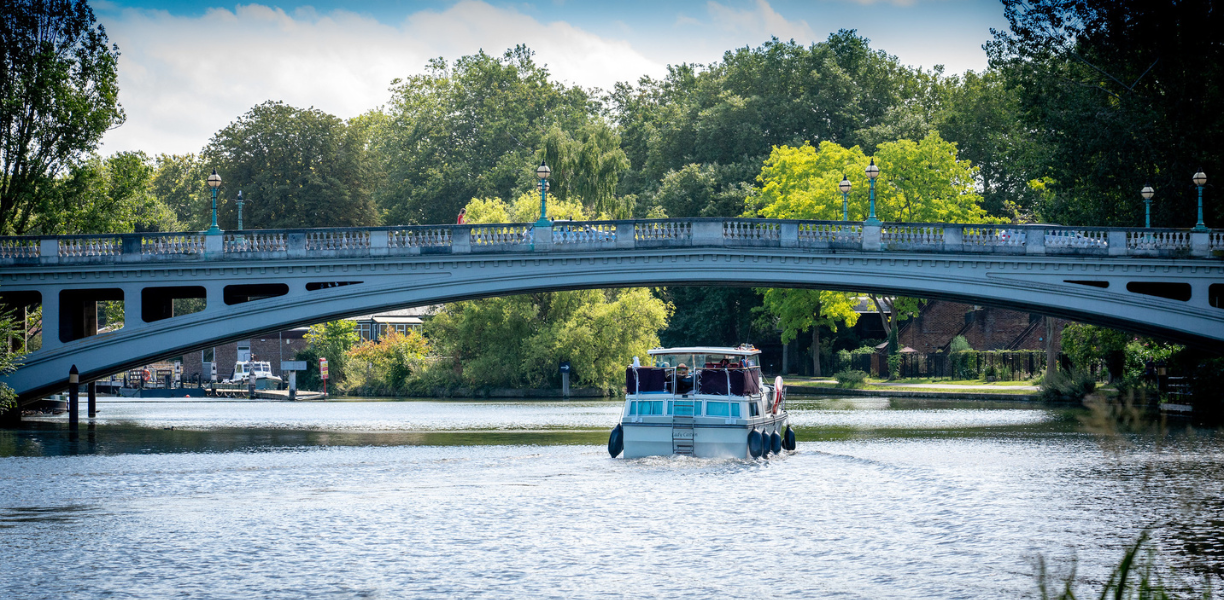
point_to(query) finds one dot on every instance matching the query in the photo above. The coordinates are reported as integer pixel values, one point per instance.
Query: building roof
(403, 315)
(866, 307)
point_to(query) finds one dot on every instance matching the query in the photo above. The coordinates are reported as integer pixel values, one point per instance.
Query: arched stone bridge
(1168, 283)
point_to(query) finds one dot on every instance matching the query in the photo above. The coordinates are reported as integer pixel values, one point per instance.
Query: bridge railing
(372, 242)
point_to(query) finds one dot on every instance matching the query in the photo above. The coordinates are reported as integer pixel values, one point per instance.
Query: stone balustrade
(611, 235)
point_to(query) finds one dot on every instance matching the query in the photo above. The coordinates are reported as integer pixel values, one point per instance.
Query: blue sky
(189, 68)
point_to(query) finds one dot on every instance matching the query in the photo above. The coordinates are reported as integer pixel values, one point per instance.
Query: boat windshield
(670, 361)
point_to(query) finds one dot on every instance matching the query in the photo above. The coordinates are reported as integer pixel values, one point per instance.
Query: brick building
(284, 345)
(938, 322)
(272, 347)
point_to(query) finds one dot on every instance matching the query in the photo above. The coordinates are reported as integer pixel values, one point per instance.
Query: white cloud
(761, 22)
(183, 78)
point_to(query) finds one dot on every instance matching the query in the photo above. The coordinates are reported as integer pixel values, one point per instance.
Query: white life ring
(778, 394)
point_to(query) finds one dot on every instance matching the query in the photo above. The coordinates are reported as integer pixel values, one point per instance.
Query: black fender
(616, 441)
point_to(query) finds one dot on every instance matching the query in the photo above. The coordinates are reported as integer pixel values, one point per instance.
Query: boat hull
(710, 439)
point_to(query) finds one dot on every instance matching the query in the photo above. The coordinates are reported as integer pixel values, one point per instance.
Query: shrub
(959, 344)
(383, 367)
(1061, 386)
(894, 366)
(850, 379)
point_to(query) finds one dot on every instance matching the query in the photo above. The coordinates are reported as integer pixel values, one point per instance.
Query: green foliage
(524, 209)
(472, 129)
(103, 195)
(1117, 93)
(295, 167)
(585, 168)
(110, 314)
(1087, 345)
(801, 310)
(710, 316)
(383, 368)
(1138, 576)
(850, 378)
(919, 182)
(894, 366)
(518, 341)
(733, 112)
(58, 96)
(959, 344)
(695, 191)
(331, 340)
(893, 344)
(180, 183)
(9, 359)
(1061, 386)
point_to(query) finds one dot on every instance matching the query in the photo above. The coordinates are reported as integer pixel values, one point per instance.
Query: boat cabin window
(754, 409)
(652, 407)
(684, 408)
(718, 409)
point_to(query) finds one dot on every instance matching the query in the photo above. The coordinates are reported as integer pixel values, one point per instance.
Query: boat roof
(749, 351)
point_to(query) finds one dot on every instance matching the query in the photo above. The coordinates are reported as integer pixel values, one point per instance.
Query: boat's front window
(718, 409)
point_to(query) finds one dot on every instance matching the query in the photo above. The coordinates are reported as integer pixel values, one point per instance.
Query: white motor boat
(702, 401)
(260, 370)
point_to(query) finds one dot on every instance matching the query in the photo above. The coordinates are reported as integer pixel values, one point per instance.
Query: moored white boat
(260, 370)
(701, 401)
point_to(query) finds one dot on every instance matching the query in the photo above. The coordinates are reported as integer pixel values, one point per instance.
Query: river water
(883, 499)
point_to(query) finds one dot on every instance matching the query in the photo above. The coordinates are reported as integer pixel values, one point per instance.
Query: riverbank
(893, 392)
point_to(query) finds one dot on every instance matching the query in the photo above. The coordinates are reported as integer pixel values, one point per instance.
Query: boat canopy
(741, 351)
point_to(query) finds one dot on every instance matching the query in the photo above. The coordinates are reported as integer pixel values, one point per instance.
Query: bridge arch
(1091, 288)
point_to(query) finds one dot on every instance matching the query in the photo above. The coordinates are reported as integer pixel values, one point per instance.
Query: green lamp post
(542, 172)
(214, 181)
(1147, 194)
(1200, 180)
(844, 186)
(239, 210)
(872, 172)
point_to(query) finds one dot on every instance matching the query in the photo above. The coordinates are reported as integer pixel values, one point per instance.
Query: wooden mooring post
(74, 399)
(92, 390)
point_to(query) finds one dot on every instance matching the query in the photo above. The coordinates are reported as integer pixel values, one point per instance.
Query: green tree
(385, 366)
(981, 114)
(919, 182)
(104, 195)
(803, 310)
(295, 167)
(472, 129)
(1086, 345)
(518, 341)
(331, 340)
(710, 316)
(180, 183)
(585, 168)
(1118, 93)
(58, 96)
(13, 346)
(731, 113)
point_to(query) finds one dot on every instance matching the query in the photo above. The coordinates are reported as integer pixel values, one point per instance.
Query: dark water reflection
(884, 499)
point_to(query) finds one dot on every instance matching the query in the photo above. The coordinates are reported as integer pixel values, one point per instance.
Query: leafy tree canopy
(104, 195)
(58, 95)
(919, 182)
(1118, 93)
(295, 167)
(472, 129)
